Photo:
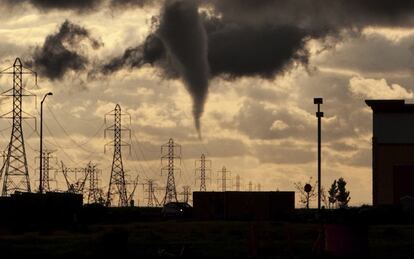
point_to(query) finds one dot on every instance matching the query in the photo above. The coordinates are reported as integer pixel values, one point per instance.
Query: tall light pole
(319, 115)
(41, 143)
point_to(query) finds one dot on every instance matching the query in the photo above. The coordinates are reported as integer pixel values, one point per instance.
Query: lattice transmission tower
(223, 178)
(93, 192)
(117, 188)
(170, 153)
(203, 167)
(238, 183)
(151, 198)
(15, 170)
(186, 193)
(75, 178)
(47, 168)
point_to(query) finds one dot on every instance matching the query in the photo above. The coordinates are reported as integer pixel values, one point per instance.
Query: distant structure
(203, 167)
(14, 169)
(93, 193)
(47, 169)
(75, 178)
(186, 193)
(151, 198)
(117, 184)
(224, 178)
(170, 152)
(238, 183)
(250, 186)
(392, 151)
(255, 206)
(259, 187)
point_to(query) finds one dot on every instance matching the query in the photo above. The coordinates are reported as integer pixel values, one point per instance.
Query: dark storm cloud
(134, 57)
(46, 5)
(252, 38)
(318, 14)
(122, 4)
(185, 40)
(244, 50)
(61, 53)
(181, 41)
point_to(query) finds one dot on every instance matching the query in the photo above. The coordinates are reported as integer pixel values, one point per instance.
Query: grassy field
(196, 240)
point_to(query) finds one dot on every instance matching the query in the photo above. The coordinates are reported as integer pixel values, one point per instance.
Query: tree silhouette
(332, 192)
(306, 197)
(343, 195)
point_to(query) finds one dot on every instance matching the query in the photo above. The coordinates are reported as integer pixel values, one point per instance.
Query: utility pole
(117, 184)
(319, 115)
(15, 169)
(41, 144)
(202, 166)
(170, 152)
(224, 178)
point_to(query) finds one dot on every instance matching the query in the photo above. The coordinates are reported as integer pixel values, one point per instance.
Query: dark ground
(191, 239)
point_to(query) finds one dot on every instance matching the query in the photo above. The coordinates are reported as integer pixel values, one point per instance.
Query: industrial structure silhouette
(88, 180)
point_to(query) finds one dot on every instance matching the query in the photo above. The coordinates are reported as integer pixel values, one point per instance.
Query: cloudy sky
(241, 74)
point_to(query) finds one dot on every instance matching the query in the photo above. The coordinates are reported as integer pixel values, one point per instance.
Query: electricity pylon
(117, 184)
(75, 178)
(223, 179)
(186, 193)
(203, 167)
(94, 194)
(47, 169)
(15, 169)
(170, 152)
(238, 183)
(150, 193)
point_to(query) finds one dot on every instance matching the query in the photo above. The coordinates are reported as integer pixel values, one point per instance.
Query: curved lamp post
(41, 143)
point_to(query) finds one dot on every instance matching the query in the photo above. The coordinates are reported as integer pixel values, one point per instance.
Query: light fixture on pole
(319, 115)
(41, 143)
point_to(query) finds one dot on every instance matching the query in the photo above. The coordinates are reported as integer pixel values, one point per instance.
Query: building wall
(393, 128)
(243, 205)
(386, 157)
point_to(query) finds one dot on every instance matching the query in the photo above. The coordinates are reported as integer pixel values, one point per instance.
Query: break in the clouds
(61, 51)
(378, 89)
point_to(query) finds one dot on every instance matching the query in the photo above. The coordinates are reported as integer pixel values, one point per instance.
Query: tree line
(337, 195)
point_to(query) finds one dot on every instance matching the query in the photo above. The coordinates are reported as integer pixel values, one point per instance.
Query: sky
(232, 79)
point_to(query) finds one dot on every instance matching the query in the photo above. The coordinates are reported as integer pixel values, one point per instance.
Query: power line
(67, 134)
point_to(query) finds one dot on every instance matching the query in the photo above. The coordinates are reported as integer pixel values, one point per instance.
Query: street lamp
(319, 115)
(41, 143)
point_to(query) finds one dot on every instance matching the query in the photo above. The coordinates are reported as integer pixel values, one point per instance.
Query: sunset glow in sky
(248, 72)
